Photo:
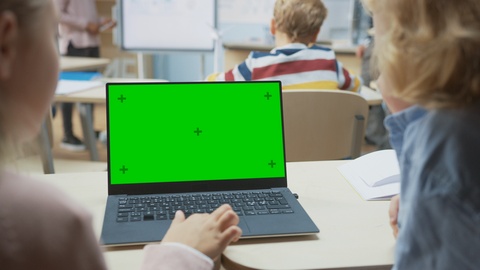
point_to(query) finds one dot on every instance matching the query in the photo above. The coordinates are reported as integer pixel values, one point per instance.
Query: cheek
(52, 70)
(48, 76)
(41, 88)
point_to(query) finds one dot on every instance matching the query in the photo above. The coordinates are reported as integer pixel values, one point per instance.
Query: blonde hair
(430, 52)
(26, 12)
(299, 19)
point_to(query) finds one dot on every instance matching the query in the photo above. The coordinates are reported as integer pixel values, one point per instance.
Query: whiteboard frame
(121, 34)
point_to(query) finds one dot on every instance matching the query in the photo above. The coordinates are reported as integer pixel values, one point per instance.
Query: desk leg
(46, 148)
(86, 111)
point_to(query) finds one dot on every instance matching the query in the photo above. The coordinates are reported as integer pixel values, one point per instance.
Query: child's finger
(220, 211)
(229, 218)
(179, 217)
(230, 235)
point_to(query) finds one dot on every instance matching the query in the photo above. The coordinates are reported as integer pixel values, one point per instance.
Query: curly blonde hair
(431, 50)
(299, 19)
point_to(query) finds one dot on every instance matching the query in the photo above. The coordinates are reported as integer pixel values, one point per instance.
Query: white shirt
(74, 18)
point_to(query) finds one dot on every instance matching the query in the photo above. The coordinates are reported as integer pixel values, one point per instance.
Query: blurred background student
(375, 134)
(79, 29)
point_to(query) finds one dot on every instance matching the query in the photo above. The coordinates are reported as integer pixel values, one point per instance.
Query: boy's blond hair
(299, 19)
(431, 50)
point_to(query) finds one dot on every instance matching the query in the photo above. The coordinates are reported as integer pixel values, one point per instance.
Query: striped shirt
(296, 66)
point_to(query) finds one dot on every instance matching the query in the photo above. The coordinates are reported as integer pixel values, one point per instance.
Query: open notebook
(375, 176)
(193, 147)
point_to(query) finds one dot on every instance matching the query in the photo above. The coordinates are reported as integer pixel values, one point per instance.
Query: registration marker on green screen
(182, 132)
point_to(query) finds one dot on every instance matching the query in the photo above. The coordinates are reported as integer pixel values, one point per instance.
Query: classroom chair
(323, 124)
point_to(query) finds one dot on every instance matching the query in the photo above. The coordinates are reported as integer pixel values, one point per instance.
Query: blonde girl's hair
(430, 51)
(26, 12)
(299, 19)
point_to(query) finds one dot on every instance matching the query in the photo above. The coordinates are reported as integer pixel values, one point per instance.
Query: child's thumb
(179, 217)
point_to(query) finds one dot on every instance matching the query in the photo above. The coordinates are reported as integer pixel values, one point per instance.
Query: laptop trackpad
(243, 225)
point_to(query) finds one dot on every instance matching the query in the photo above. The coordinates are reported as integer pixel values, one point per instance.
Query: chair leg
(86, 111)
(46, 147)
(358, 133)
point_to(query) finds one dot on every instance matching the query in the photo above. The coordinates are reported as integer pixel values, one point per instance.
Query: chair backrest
(323, 124)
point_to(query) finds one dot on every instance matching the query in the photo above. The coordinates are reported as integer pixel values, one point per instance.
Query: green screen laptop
(194, 147)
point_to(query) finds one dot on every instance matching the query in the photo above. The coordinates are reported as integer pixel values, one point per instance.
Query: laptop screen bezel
(193, 186)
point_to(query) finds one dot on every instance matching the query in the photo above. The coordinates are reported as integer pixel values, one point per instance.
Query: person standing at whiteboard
(296, 61)
(79, 28)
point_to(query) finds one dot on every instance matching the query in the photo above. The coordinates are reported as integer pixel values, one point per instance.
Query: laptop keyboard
(163, 207)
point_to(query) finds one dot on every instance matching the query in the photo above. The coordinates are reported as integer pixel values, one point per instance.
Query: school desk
(70, 63)
(67, 63)
(354, 234)
(86, 100)
(96, 95)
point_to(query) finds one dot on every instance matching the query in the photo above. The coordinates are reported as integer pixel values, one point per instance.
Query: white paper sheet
(367, 175)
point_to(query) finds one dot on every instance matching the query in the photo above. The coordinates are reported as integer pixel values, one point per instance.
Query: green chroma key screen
(178, 132)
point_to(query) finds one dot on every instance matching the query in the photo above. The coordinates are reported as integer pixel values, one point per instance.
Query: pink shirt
(41, 228)
(74, 18)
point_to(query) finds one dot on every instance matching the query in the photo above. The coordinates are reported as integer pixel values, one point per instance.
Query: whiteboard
(258, 13)
(339, 22)
(246, 11)
(167, 25)
(187, 25)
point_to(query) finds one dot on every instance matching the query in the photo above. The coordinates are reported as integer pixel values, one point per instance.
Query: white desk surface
(373, 97)
(69, 63)
(353, 233)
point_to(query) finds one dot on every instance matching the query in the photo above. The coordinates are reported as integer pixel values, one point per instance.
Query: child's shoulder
(452, 129)
(25, 193)
(320, 48)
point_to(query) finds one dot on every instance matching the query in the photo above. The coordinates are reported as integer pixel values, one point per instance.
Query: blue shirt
(439, 217)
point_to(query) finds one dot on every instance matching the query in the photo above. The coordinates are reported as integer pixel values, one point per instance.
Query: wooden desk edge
(268, 47)
(83, 63)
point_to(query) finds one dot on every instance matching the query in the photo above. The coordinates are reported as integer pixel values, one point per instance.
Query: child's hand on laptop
(208, 233)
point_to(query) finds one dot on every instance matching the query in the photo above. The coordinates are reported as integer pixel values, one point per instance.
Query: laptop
(193, 147)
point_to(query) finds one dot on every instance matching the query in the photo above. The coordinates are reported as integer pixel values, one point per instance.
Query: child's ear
(8, 41)
(273, 28)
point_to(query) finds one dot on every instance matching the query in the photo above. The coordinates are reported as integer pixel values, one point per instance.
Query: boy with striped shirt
(295, 61)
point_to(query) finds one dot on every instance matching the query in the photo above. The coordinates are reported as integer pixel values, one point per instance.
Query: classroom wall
(183, 66)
